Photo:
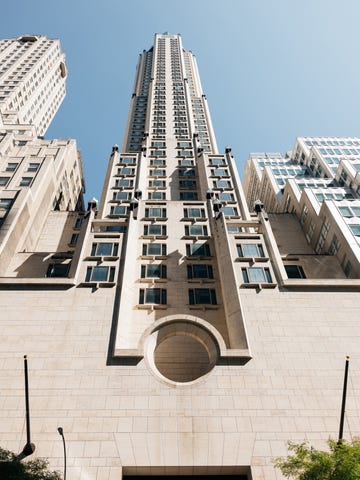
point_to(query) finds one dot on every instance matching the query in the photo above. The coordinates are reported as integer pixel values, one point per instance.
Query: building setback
(169, 330)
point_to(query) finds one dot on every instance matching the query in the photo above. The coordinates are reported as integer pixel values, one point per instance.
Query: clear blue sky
(271, 69)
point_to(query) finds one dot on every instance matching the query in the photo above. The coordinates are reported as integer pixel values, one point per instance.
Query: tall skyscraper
(170, 331)
(32, 78)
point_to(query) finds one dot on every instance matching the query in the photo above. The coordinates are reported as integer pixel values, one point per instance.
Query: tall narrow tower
(172, 199)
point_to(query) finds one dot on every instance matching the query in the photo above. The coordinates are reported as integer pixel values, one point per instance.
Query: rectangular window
(188, 196)
(104, 249)
(5, 203)
(157, 195)
(200, 271)
(345, 212)
(155, 212)
(157, 172)
(196, 230)
(78, 222)
(222, 184)
(187, 184)
(295, 271)
(304, 214)
(187, 172)
(158, 162)
(250, 250)
(216, 161)
(202, 296)
(157, 184)
(154, 249)
(198, 249)
(33, 167)
(122, 196)
(256, 275)
(154, 229)
(57, 270)
(355, 230)
(123, 182)
(158, 153)
(119, 210)
(100, 274)
(11, 167)
(184, 162)
(74, 238)
(153, 271)
(219, 172)
(229, 211)
(127, 161)
(153, 295)
(126, 171)
(25, 181)
(194, 213)
(225, 197)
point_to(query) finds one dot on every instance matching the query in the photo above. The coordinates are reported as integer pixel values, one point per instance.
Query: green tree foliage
(12, 469)
(341, 462)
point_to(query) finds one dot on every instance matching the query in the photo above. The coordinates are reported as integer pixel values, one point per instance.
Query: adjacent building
(171, 330)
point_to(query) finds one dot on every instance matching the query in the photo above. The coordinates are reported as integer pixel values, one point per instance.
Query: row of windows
(24, 182)
(197, 296)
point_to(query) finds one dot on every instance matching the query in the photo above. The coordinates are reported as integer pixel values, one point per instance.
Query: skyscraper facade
(169, 330)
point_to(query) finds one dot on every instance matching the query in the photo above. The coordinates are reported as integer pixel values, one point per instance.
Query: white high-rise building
(32, 81)
(170, 332)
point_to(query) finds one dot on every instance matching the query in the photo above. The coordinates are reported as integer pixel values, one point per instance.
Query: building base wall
(122, 418)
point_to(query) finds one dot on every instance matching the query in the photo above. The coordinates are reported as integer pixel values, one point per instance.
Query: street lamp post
(61, 433)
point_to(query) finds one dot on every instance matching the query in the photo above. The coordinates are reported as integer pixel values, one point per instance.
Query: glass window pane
(99, 274)
(256, 275)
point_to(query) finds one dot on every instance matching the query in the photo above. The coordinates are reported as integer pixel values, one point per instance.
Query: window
(104, 249)
(256, 275)
(355, 230)
(217, 161)
(200, 271)
(187, 184)
(310, 231)
(158, 153)
(33, 167)
(11, 167)
(202, 296)
(188, 172)
(198, 249)
(157, 195)
(119, 210)
(184, 162)
(5, 203)
(196, 230)
(250, 250)
(4, 181)
(222, 184)
(74, 238)
(100, 274)
(184, 144)
(225, 197)
(295, 271)
(335, 246)
(345, 212)
(304, 214)
(155, 212)
(78, 222)
(356, 211)
(57, 270)
(229, 211)
(157, 184)
(158, 162)
(220, 172)
(123, 182)
(122, 196)
(153, 271)
(154, 249)
(188, 196)
(153, 295)
(127, 161)
(157, 172)
(154, 229)
(194, 213)
(126, 171)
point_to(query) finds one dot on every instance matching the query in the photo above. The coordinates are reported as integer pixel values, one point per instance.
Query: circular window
(182, 351)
